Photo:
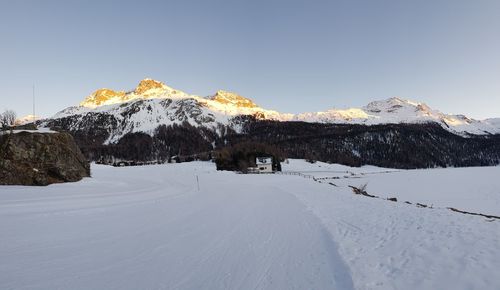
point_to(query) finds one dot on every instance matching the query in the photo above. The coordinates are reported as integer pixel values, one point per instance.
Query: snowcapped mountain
(27, 119)
(396, 111)
(223, 103)
(152, 103)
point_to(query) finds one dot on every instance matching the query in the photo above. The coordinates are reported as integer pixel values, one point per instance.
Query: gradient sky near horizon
(291, 56)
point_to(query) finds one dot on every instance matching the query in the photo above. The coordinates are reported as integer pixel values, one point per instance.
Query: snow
(397, 246)
(400, 111)
(39, 130)
(474, 189)
(151, 228)
(453, 189)
(224, 106)
(27, 119)
(391, 245)
(147, 89)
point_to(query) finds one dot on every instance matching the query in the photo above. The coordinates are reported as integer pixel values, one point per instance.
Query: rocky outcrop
(225, 98)
(100, 96)
(148, 84)
(32, 158)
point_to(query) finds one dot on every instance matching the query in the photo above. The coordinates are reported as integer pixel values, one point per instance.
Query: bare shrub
(7, 119)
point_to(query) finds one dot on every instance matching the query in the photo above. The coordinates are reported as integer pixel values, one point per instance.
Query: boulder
(40, 158)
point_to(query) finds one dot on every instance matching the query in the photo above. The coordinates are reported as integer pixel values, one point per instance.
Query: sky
(291, 56)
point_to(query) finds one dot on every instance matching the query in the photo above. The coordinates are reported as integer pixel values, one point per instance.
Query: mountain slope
(407, 146)
(153, 103)
(157, 123)
(396, 110)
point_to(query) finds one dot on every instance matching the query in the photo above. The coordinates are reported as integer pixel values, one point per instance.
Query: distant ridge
(155, 103)
(157, 123)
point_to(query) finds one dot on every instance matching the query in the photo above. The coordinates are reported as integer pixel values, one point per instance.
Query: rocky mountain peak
(147, 85)
(392, 105)
(146, 89)
(102, 96)
(152, 103)
(225, 97)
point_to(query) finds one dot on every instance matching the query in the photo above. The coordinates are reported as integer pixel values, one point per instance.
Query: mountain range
(153, 103)
(109, 118)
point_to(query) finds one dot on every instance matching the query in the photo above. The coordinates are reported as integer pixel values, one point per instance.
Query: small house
(264, 164)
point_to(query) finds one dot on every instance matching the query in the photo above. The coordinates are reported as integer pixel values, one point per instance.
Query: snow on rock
(146, 89)
(222, 107)
(39, 130)
(493, 122)
(397, 110)
(233, 99)
(153, 104)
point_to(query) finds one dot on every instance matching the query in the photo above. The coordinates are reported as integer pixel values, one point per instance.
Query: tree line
(390, 145)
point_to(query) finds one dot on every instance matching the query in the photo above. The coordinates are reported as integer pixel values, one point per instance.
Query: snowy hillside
(152, 228)
(223, 102)
(153, 103)
(397, 110)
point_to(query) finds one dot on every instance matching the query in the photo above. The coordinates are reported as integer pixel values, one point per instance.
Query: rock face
(225, 98)
(102, 95)
(28, 158)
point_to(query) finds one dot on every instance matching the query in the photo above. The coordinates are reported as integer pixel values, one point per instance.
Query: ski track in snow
(150, 228)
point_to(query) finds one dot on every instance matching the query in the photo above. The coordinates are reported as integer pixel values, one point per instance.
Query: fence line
(316, 178)
(298, 174)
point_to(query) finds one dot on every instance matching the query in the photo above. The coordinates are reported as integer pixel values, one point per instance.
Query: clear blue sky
(293, 56)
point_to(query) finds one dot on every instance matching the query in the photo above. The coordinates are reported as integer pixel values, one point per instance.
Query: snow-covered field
(474, 189)
(152, 228)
